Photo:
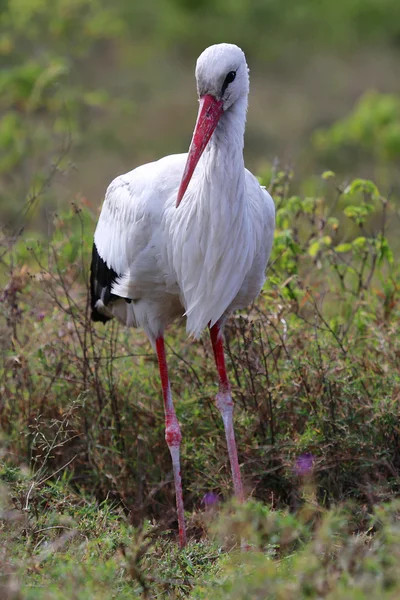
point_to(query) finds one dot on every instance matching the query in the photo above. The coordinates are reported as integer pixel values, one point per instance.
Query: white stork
(189, 234)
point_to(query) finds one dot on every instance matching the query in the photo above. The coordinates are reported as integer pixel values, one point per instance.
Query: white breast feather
(201, 256)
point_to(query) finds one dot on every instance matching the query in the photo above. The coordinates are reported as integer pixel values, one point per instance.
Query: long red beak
(210, 112)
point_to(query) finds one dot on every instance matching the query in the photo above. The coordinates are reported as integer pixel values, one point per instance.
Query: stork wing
(123, 234)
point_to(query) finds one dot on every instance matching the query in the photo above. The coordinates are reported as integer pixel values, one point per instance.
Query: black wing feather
(102, 278)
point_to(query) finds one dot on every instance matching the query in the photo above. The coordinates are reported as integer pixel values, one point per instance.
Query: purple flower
(210, 499)
(304, 464)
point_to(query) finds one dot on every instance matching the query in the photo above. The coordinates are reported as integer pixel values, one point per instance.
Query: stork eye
(228, 79)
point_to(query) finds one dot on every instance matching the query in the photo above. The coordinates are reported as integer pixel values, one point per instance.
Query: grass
(64, 546)
(87, 496)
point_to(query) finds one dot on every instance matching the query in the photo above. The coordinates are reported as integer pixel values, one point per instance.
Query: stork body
(188, 235)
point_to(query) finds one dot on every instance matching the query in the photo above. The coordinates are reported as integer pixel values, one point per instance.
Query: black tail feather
(102, 278)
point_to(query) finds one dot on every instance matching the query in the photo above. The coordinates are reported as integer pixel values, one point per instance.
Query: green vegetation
(88, 89)
(369, 137)
(315, 375)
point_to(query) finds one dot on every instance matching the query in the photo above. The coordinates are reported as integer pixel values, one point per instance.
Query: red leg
(172, 436)
(225, 405)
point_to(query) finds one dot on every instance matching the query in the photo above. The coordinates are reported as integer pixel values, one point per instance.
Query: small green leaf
(364, 186)
(343, 247)
(358, 212)
(314, 248)
(384, 251)
(359, 242)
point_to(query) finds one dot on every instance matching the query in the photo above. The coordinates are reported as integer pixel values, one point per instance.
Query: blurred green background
(91, 88)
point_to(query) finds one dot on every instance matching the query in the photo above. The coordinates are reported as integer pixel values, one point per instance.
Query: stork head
(222, 79)
(222, 72)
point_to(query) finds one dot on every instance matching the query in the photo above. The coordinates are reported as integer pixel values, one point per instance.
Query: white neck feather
(221, 175)
(214, 249)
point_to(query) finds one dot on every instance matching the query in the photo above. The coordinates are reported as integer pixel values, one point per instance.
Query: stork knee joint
(223, 401)
(173, 434)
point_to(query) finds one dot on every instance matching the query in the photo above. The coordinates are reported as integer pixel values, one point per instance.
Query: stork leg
(172, 436)
(225, 406)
